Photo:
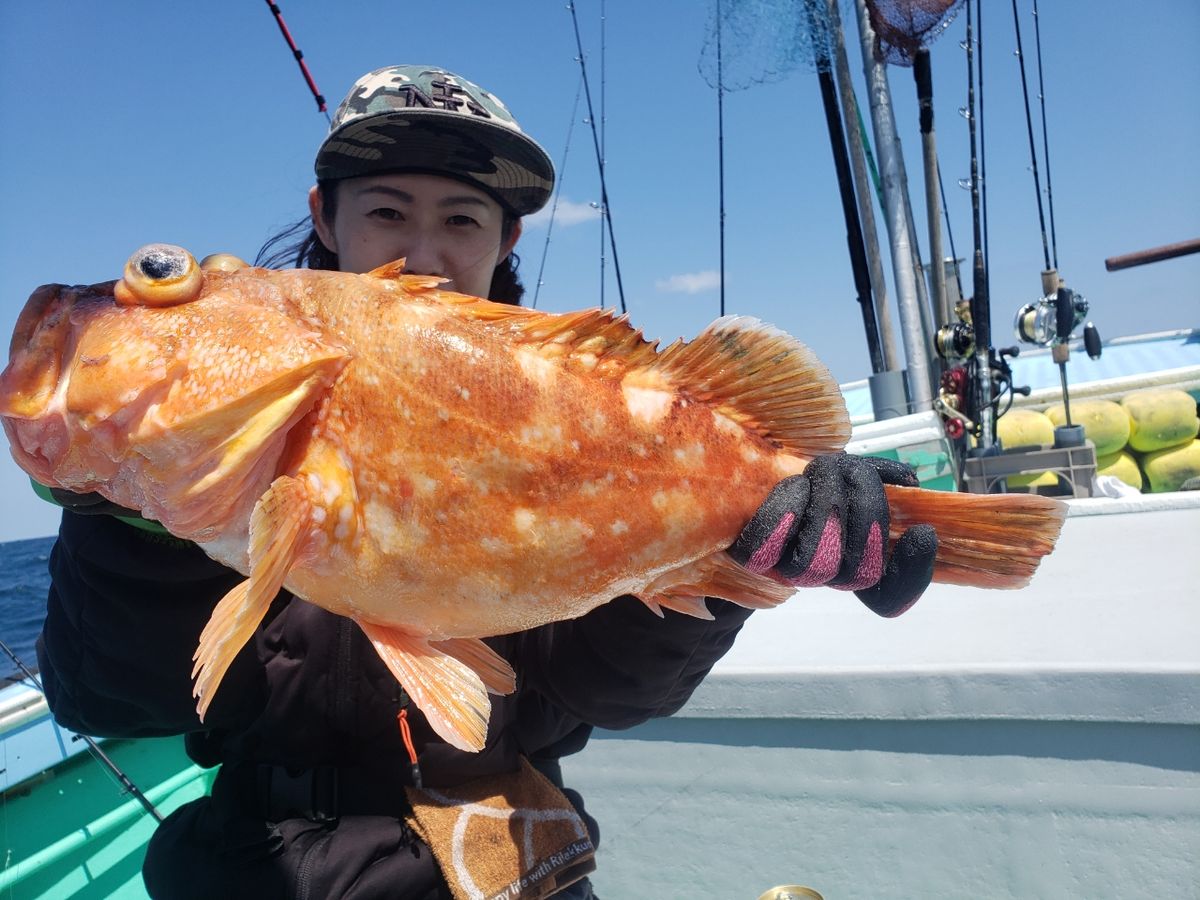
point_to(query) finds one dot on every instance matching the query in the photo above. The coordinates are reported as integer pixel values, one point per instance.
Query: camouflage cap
(426, 119)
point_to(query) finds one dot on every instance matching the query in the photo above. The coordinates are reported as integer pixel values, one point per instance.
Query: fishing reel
(1051, 319)
(956, 341)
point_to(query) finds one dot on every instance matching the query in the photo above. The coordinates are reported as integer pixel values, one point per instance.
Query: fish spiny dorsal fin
(593, 338)
(765, 380)
(416, 284)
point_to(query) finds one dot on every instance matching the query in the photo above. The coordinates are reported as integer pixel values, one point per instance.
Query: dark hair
(298, 246)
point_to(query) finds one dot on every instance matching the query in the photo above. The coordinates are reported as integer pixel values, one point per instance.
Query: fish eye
(222, 262)
(159, 275)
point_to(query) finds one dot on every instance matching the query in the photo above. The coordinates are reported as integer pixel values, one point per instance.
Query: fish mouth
(33, 385)
(49, 307)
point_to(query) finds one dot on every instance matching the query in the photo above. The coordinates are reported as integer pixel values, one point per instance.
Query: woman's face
(441, 226)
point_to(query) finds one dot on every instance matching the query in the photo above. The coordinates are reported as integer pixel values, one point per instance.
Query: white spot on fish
(443, 415)
(646, 405)
(618, 527)
(535, 367)
(423, 485)
(464, 393)
(393, 534)
(659, 501)
(541, 436)
(726, 424)
(692, 455)
(523, 520)
(495, 546)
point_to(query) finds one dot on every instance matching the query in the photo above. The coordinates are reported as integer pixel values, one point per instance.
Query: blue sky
(132, 122)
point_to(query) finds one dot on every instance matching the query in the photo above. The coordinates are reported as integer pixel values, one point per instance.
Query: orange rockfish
(437, 467)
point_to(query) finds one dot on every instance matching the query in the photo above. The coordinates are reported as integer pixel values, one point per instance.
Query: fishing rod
(721, 157)
(599, 156)
(562, 174)
(1051, 319)
(980, 310)
(819, 28)
(100, 756)
(603, 147)
(287, 36)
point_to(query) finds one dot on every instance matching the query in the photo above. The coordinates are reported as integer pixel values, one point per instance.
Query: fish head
(171, 390)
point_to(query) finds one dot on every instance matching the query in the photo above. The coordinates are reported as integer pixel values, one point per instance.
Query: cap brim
(506, 163)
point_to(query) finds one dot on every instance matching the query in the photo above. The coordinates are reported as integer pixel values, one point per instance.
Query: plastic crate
(1075, 466)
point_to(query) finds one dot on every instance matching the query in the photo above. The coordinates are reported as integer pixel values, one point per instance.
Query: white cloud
(567, 213)
(690, 282)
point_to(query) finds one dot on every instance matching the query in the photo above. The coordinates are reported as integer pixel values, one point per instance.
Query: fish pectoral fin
(278, 526)
(716, 575)
(449, 692)
(498, 676)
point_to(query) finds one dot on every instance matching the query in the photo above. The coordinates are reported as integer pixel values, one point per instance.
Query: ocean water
(22, 599)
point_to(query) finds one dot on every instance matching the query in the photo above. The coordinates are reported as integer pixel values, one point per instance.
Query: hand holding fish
(827, 526)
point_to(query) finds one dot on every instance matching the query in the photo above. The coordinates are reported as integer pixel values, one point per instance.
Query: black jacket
(309, 801)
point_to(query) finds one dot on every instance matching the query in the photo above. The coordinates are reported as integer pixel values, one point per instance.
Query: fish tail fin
(449, 692)
(716, 575)
(276, 531)
(764, 379)
(984, 540)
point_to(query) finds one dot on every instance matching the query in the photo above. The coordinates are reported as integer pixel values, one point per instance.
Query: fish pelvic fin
(278, 526)
(448, 691)
(717, 575)
(984, 540)
(498, 676)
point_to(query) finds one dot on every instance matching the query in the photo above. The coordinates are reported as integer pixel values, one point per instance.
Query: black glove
(829, 526)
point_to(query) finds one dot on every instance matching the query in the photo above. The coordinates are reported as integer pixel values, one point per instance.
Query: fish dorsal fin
(277, 530)
(763, 379)
(394, 271)
(753, 373)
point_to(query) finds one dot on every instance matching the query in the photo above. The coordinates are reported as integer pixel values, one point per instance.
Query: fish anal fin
(716, 575)
(497, 675)
(278, 526)
(693, 606)
(449, 692)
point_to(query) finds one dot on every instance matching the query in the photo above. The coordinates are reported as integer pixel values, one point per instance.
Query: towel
(512, 836)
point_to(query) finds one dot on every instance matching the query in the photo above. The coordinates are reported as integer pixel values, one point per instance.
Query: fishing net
(902, 27)
(764, 41)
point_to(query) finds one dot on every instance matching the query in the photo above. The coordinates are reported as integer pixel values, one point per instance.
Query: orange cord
(406, 736)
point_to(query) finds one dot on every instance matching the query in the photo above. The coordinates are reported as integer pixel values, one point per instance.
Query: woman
(310, 799)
